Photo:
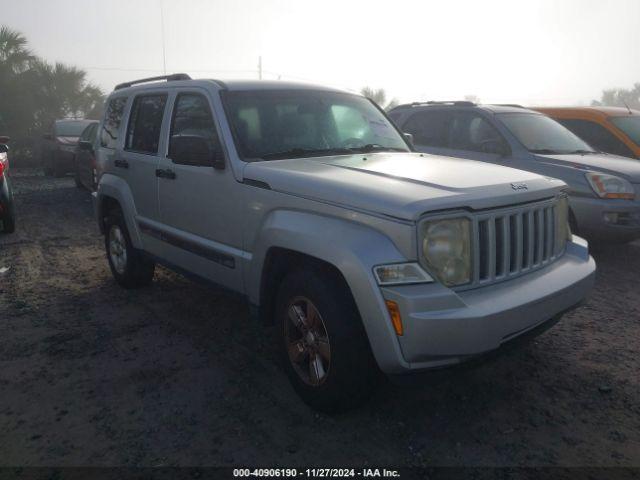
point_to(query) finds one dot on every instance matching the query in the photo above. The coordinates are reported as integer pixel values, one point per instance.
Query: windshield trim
(225, 106)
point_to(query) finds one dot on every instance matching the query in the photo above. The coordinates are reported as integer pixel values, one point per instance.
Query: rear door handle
(168, 174)
(121, 163)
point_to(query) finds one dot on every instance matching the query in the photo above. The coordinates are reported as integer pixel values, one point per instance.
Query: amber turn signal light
(396, 319)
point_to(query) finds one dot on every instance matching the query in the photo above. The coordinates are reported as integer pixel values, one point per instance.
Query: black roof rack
(514, 105)
(169, 78)
(454, 103)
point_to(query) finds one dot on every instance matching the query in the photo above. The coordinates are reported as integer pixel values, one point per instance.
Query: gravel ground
(177, 374)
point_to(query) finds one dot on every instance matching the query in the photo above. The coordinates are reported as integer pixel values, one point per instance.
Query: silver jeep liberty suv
(367, 256)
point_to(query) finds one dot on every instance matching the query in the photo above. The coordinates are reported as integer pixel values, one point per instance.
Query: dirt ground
(178, 374)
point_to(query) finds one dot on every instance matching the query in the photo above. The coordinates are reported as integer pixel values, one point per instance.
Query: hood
(611, 164)
(403, 185)
(68, 140)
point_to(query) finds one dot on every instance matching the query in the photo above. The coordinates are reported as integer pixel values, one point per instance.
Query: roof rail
(514, 105)
(455, 103)
(169, 78)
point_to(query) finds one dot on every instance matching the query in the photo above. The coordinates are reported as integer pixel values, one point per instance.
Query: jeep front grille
(514, 241)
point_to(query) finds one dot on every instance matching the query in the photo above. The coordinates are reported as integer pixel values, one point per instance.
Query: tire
(131, 270)
(9, 223)
(347, 373)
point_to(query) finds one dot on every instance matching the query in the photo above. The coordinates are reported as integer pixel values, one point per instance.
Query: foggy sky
(529, 52)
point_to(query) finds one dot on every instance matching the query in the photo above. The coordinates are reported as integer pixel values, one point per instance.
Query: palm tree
(379, 96)
(14, 54)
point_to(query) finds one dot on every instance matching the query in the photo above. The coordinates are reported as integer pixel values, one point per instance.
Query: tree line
(34, 93)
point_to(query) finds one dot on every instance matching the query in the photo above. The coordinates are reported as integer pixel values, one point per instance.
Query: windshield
(630, 126)
(70, 129)
(270, 124)
(541, 134)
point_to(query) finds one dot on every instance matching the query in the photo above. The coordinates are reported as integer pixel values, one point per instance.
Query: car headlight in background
(401, 274)
(610, 186)
(563, 232)
(446, 248)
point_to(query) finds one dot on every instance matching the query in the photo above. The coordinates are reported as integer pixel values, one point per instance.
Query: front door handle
(168, 174)
(121, 163)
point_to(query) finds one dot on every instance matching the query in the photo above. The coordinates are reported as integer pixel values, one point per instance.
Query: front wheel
(128, 265)
(323, 343)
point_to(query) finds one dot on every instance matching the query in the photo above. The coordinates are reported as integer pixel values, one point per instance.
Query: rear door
(200, 200)
(142, 144)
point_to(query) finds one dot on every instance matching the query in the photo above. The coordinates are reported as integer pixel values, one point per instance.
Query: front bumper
(607, 220)
(443, 327)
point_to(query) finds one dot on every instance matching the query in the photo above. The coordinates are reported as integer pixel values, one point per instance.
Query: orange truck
(608, 129)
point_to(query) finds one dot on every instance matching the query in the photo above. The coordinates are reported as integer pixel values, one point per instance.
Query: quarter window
(597, 136)
(143, 133)
(111, 123)
(429, 129)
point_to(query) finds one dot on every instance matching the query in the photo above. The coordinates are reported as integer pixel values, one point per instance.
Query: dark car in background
(59, 146)
(86, 173)
(7, 211)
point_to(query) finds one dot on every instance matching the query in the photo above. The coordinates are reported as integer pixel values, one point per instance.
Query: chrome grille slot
(512, 242)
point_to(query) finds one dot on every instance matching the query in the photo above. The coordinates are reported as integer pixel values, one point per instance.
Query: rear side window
(430, 129)
(597, 136)
(111, 123)
(143, 133)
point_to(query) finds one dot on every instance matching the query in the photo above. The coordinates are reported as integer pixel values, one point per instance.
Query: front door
(199, 198)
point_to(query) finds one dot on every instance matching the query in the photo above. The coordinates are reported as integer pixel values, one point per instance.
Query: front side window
(473, 133)
(143, 133)
(630, 126)
(429, 129)
(193, 132)
(111, 123)
(541, 134)
(268, 125)
(597, 136)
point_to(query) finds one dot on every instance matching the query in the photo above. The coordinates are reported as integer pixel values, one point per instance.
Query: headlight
(609, 186)
(401, 274)
(563, 232)
(446, 247)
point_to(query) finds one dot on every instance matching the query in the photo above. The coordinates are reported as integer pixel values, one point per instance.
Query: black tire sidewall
(352, 371)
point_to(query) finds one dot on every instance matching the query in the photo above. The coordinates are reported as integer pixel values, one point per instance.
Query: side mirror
(48, 136)
(495, 147)
(85, 145)
(409, 138)
(195, 150)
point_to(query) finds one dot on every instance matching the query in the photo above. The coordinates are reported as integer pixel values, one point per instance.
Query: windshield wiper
(545, 151)
(305, 152)
(584, 152)
(374, 147)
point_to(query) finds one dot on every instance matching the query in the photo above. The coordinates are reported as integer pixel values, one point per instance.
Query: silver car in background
(604, 190)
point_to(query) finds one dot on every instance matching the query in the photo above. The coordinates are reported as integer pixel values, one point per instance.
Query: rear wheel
(128, 265)
(323, 343)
